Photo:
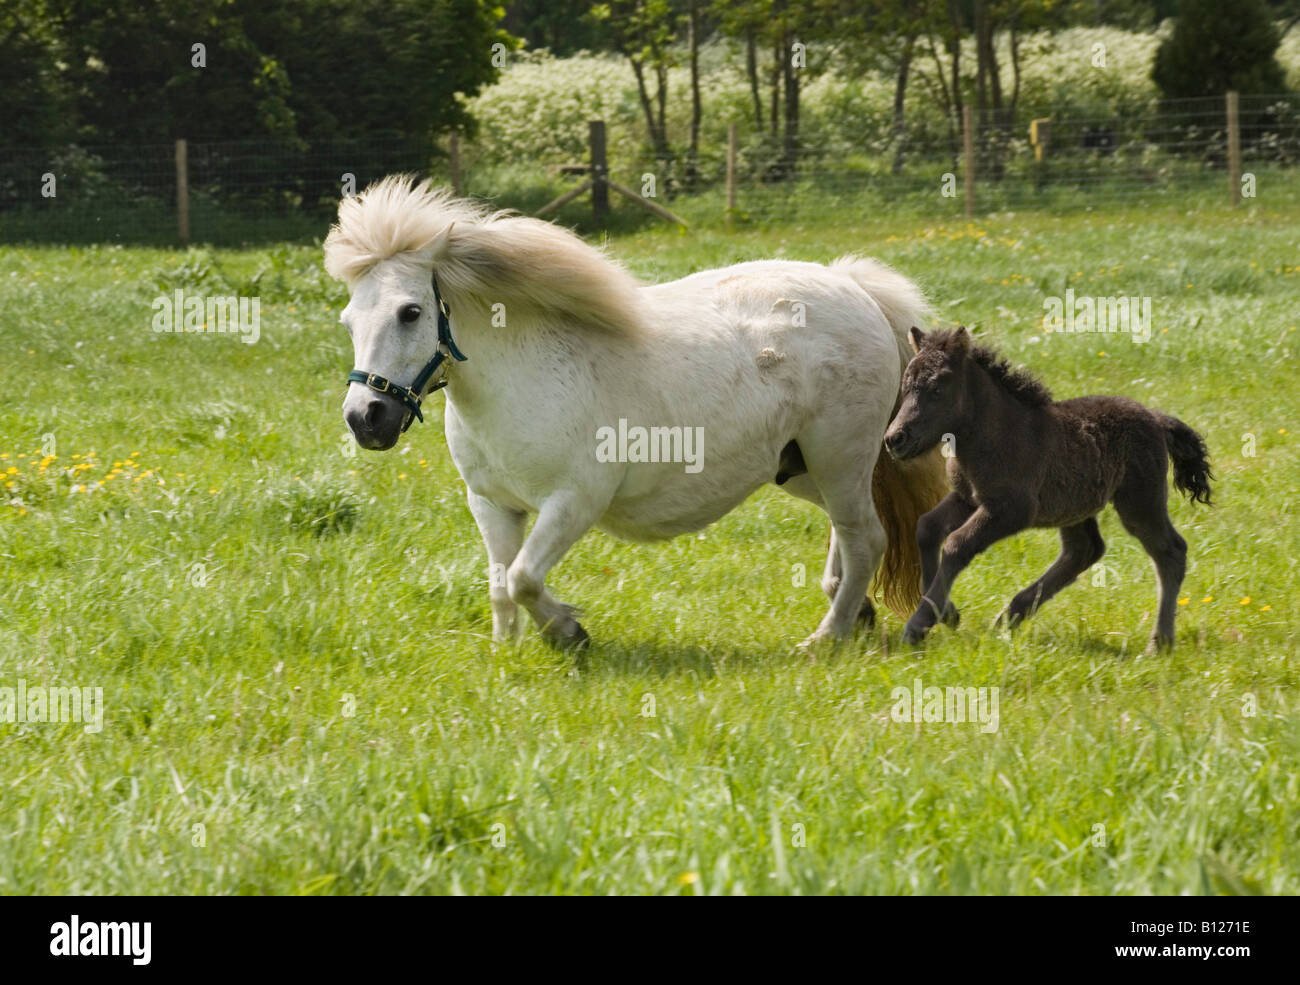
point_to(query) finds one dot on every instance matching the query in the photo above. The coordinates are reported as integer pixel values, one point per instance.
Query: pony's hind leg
(1144, 510)
(831, 576)
(1081, 548)
(804, 487)
(859, 538)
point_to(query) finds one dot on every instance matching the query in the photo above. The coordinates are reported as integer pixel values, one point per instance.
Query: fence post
(182, 192)
(599, 171)
(731, 175)
(968, 145)
(1234, 148)
(453, 162)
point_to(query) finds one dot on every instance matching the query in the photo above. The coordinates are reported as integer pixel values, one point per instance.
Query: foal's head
(933, 392)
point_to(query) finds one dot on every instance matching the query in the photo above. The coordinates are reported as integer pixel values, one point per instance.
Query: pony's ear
(915, 336)
(437, 246)
(962, 338)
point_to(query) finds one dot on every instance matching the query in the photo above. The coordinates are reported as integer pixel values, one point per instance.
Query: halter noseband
(413, 394)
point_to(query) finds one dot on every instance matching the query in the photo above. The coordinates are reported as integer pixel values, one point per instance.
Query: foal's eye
(409, 313)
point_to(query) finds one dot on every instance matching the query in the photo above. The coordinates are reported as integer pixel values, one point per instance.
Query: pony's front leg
(503, 533)
(973, 536)
(561, 521)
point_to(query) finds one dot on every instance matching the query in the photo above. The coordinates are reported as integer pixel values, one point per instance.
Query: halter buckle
(373, 381)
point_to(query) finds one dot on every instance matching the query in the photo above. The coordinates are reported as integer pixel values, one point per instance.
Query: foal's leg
(562, 520)
(1081, 548)
(1144, 511)
(932, 530)
(503, 533)
(978, 532)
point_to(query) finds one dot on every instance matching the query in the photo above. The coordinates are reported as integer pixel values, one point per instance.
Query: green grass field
(300, 695)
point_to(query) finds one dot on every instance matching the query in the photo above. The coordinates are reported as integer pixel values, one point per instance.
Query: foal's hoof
(1159, 644)
(1009, 618)
(951, 617)
(913, 634)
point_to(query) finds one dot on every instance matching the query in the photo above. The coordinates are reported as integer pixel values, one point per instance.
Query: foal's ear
(962, 338)
(915, 336)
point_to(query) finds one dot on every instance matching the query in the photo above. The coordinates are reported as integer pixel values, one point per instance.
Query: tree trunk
(954, 47)
(900, 95)
(692, 153)
(790, 75)
(775, 113)
(751, 66)
(658, 139)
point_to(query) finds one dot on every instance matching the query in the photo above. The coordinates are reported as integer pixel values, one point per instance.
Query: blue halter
(413, 394)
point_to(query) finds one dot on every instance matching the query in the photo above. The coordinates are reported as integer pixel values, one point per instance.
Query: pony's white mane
(529, 265)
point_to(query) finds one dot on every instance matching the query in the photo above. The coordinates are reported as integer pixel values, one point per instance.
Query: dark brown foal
(1023, 460)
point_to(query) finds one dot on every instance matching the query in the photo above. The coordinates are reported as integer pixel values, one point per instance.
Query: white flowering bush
(537, 114)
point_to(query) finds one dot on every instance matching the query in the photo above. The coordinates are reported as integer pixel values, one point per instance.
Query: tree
(1216, 47)
(645, 31)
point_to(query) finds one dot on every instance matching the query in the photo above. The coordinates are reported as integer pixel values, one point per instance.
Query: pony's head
(401, 247)
(932, 392)
(385, 246)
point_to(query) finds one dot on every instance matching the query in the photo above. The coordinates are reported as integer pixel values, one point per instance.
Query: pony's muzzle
(375, 420)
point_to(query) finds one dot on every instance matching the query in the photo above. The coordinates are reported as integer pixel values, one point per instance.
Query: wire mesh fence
(1187, 151)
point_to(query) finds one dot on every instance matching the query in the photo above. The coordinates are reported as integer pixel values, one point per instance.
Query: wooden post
(968, 144)
(182, 192)
(731, 175)
(1234, 148)
(599, 171)
(453, 162)
(645, 203)
(564, 199)
(1040, 134)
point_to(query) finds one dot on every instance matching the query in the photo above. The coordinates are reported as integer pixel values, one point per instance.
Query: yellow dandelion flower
(1265, 608)
(1208, 598)
(1183, 601)
(688, 878)
(1245, 601)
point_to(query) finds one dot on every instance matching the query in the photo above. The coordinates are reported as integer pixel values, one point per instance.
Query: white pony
(780, 371)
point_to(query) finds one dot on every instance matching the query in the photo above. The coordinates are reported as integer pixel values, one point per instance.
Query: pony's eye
(409, 313)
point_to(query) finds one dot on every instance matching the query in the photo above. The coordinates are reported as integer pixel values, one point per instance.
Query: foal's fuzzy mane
(489, 257)
(1019, 383)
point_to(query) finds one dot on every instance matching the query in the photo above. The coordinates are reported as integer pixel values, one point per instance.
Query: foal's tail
(903, 492)
(1192, 473)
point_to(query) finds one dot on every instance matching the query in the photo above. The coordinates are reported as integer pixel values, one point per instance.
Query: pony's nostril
(371, 417)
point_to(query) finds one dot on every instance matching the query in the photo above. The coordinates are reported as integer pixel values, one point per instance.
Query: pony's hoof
(576, 638)
(951, 617)
(867, 614)
(818, 641)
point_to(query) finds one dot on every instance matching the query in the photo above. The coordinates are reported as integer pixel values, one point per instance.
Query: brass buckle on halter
(370, 382)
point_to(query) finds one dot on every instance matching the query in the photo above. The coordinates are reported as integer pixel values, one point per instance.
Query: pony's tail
(903, 492)
(1191, 458)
